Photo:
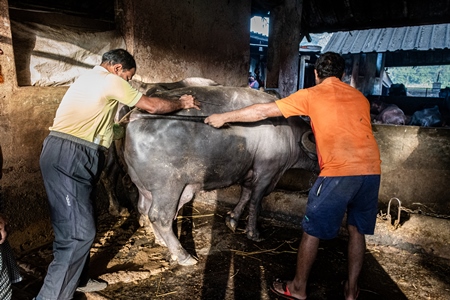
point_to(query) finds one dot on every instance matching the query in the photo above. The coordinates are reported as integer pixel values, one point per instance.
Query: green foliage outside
(420, 77)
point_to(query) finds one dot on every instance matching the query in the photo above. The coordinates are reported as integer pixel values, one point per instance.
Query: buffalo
(387, 113)
(171, 157)
(427, 117)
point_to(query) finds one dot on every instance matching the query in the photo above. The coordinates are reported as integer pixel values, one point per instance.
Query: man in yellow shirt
(349, 161)
(73, 157)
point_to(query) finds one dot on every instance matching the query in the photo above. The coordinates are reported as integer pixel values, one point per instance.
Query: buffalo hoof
(144, 221)
(231, 223)
(254, 236)
(118, 211)
(113, 210)
(188, 261)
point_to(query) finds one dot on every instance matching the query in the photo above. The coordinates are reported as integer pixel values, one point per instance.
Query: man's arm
(252, 113)
(156, 105)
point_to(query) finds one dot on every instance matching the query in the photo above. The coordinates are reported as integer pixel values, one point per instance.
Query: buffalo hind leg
(178, 253)
(261, 188)
(162, 213)
(144, 204)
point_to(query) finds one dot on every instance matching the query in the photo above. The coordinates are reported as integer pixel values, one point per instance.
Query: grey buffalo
(171, 157)
(427, 117)
(387, 113)
(152, 88)
(115, 168)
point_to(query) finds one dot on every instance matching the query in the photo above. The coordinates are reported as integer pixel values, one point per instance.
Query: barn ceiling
(320, 16)
(87, 14)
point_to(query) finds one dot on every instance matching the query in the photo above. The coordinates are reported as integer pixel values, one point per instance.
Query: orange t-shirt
(340, 120)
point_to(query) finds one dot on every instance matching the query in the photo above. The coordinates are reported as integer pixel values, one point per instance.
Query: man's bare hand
(188, 101)
(215, 120)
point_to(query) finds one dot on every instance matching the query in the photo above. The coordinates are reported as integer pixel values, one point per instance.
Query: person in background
(253, 83)
(73, 157)
(349, 161)
(9, 271)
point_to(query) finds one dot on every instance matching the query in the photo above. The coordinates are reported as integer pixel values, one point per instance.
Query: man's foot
(280, 287)
(92, 285)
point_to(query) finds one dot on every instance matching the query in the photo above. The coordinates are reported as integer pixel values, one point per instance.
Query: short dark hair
(119, 56)
(330, 64)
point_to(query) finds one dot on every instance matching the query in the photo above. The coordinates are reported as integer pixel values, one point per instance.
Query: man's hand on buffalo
(188, 101)
(156, 105)
(215, 120)
(252, 113)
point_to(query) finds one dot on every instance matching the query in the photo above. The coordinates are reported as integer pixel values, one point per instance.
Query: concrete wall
(173, 39)
(415, 166)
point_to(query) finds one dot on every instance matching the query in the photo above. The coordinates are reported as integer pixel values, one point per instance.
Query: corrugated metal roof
(422, 38)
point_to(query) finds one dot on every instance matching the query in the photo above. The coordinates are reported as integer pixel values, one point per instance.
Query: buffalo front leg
(233, 216)
(253, 213)
(109, 179)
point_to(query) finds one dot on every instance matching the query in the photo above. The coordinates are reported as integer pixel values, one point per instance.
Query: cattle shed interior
(46, 44)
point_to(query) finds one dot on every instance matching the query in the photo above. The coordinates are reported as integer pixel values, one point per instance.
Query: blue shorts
(331, 197)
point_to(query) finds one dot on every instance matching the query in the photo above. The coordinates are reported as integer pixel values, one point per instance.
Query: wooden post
(283, 47)
(7, 66)
(369, 74)
(355, 71)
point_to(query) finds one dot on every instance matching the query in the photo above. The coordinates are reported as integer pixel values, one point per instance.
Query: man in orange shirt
(350, 166)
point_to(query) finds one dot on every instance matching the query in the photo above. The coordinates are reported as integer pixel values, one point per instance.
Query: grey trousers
(71, 168)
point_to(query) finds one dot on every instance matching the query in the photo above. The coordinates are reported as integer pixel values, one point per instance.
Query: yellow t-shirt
(340, 119)
(87, 109)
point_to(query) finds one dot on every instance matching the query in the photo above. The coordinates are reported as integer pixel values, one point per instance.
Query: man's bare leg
(307, 252)
(356, 250)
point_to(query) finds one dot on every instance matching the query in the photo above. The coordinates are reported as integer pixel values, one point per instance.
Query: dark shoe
(92, 285)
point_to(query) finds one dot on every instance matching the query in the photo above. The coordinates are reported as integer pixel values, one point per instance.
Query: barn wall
(55, 55)
(204, 40)
(415, 169)
(415, 166)
(25, 115)
(172, 39)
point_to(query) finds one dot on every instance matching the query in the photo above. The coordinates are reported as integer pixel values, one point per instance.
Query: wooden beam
(283, 51)
(59, 19)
